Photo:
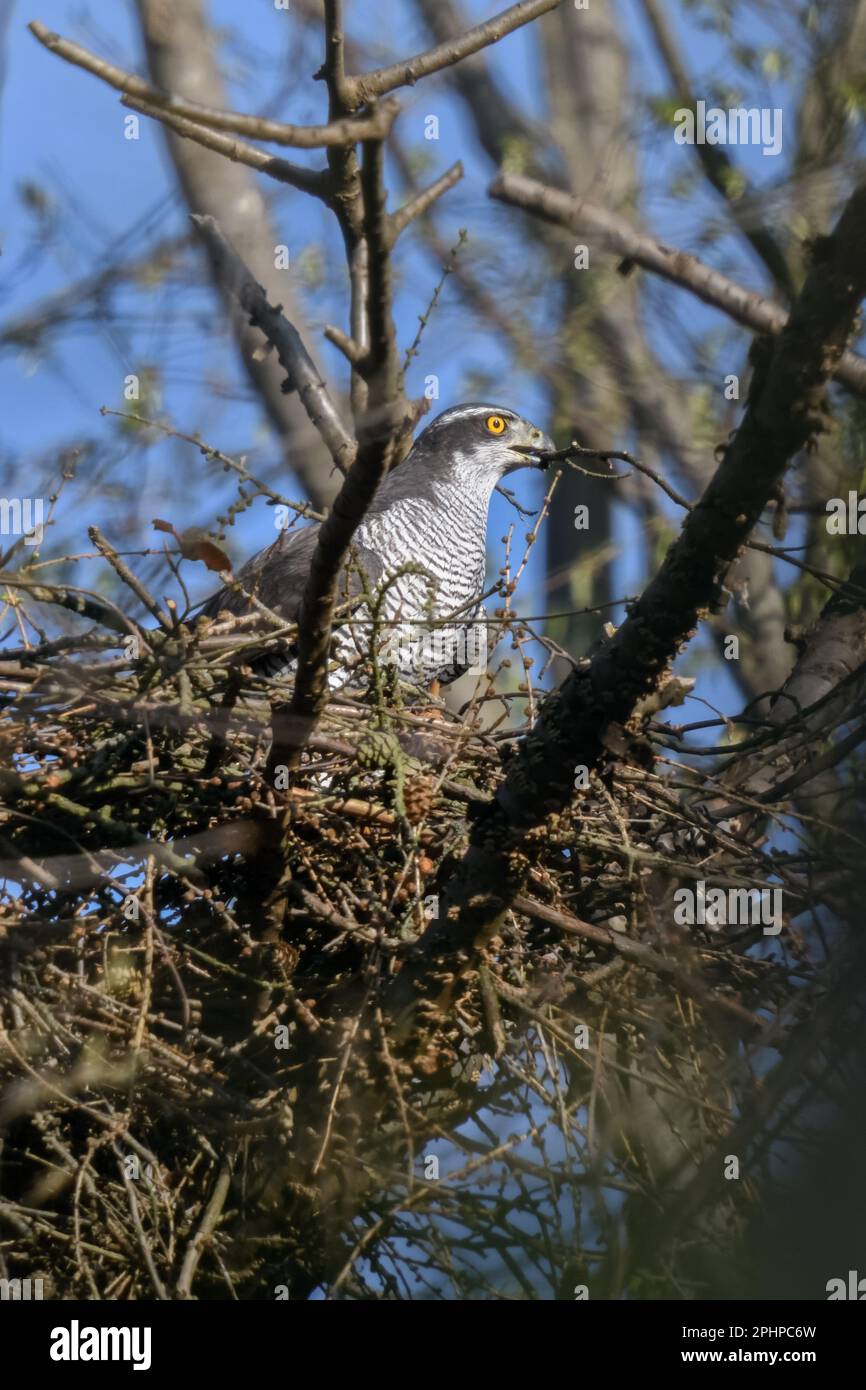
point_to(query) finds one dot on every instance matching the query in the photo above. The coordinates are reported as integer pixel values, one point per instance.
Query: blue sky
(63, 131)
(62, 134)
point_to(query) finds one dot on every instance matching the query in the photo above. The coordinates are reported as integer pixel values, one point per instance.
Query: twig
(205, 1229)
(342, 132)
(418, 205)
(130, 580)
(378, 432)
(678, 267)
(423, 319)
(638, 954)
(365, 86)
(293, 356)
(313, 181)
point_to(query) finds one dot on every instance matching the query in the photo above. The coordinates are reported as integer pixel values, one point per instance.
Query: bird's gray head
(477, 439)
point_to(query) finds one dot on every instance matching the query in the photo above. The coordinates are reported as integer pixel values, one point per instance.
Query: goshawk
(418, 555)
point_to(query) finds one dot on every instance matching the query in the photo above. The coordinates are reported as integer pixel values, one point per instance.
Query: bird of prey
(420, 547)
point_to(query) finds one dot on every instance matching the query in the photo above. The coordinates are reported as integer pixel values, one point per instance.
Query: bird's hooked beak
(533, 448)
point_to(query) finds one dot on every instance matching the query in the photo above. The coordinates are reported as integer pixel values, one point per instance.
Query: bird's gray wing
(277, 576)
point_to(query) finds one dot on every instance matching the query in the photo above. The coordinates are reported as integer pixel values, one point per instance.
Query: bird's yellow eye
(495, 424)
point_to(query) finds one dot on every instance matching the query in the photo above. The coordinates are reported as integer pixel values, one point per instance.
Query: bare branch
(294, 358)
(182, 56)
(54, 310)
(381, 368)
(365, 86)
(205, 1229)
(678, 267)
(130, 580)
(315, 137)
(347, 198)
(315, 181)
(417, 206)
(347, 346)
(716, 162)
(384, 419)
(498, 120)
(684, 970)
(824, 687)
(333, 69)
(87, 605)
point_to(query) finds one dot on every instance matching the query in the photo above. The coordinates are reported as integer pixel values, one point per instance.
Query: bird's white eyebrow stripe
(466, 412)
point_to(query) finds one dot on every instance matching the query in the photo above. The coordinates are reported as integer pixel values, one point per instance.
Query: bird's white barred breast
(447, 542)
